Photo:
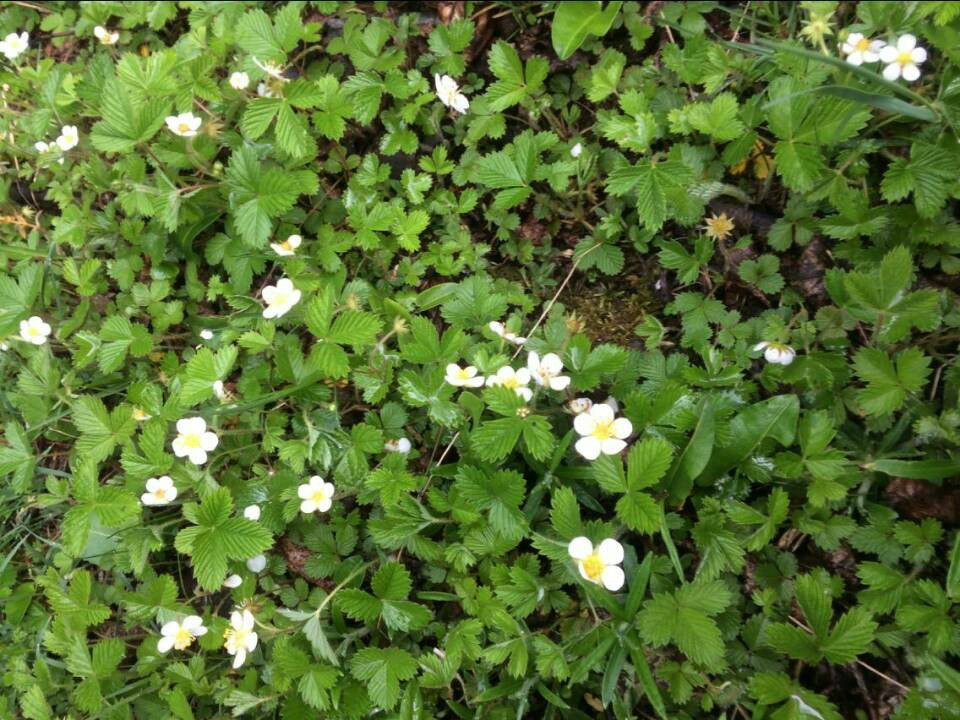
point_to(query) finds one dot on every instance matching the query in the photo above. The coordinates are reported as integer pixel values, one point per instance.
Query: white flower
(206, 334)
(463, 377)
(240, 639)
(315, 495)
(602, 433)
(449, 93)
(498, 329)
(287, 247)
(105, 36)
(34, 330)
(860, 49)
(599, 565)
(185, 124)
(194, 440)
(547, 371)
(271, 69)
(219, 390)
(252, 512)
(776, 353)
(903, 59)
(576, 150)
(239, 81)
(580, 405)
(12, 45)
(69, 137)
(160, 491)
(41, 146)
(279, 298)
(257, 563)
(180, 635)
(264, 91)
(233, 581)
(515, 379)
(400, 445)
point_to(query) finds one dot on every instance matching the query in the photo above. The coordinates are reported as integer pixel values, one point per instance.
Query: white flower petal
(589, 447)
(621, 428)
(906, 42)
(601, 413)
(612, 578)
(612, 446)
(891, 72)
(580, 548)
(165, 644)
(610, 551)
(584, 424)
(910, 73)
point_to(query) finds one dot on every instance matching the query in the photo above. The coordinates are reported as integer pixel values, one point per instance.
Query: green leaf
(217, 537)
(382, 670)
(694, 457)
(257, 193)
(499, 494)
(718, 118)
(16, 457)
(573, 21)
(100, 431)
(774, 418)
(125, 124)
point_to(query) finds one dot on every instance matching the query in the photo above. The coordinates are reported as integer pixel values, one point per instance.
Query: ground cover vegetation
(479, 360)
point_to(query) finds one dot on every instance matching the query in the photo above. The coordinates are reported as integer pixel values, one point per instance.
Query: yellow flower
(719, 227)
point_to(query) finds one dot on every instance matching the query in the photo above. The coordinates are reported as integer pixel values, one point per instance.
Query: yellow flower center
(511, 383)
(160, 494)
(191, 440)
(280, 298)
(33, 331)
(604, 430)
(718, 227)
(183, 639)
(462, 374)
(593, 567)
(864, 44)
(183, 127)
(318, 496)
(234, 637)
(905, 58)
(286, 245)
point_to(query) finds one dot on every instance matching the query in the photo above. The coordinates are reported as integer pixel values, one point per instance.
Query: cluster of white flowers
(902, 58)
(13, 45)
(545, 372)
(238, 640)
(68, 139)
(185, 124)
